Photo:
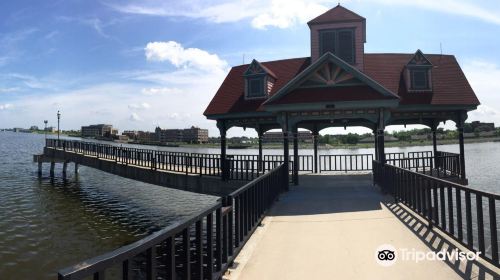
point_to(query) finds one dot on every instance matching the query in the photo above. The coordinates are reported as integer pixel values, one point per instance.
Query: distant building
(146, 136)
(277, 137)
(189, 135)
(97, 130)
(195, 135)
(131, 134)
(51, 129)
(478, 126)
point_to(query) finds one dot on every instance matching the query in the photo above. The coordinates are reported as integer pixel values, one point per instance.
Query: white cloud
(135, 117)
(286, 13)
(261, 13)
(160, 91)
(141, 106)
(5, 106)
(483, 77)
(9, 90)
(463, 8)
(174, 53)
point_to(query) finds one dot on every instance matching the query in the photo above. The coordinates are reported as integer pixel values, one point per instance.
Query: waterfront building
(189, 135)
(277, 137)
(97, 130)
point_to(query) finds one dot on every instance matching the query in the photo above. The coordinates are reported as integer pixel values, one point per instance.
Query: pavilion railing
(441, 165)
(465, 214)
(357, 162)
(200, 247)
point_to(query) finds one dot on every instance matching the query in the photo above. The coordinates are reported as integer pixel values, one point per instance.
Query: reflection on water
(49, 224)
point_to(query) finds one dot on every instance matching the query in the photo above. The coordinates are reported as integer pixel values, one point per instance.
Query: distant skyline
(142, 64)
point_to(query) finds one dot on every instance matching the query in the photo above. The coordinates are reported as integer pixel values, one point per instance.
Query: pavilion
(340, 85)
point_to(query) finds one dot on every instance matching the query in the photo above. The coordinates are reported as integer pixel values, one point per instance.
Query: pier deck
(329, 227)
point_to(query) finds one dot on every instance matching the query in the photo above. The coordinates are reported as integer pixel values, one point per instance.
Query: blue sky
(138, 64)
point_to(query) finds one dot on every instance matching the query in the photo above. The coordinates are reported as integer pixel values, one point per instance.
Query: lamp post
(58, 118)
(45, 130)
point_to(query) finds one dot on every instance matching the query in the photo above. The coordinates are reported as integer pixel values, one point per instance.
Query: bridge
(414, 200)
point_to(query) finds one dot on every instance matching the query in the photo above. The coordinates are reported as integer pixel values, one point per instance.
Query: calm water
(46, 224)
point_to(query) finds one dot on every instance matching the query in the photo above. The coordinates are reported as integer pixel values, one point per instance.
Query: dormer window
(259, 81)
(419, 79)
(339, 42)
(255, 87)
(419, 73)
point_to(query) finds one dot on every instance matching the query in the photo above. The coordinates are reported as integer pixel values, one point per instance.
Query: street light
(45, 130)
(58, 118)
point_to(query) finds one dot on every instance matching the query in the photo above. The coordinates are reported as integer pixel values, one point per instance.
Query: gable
(330, 75)
(329, 72)
(256, 69)
(419, 59)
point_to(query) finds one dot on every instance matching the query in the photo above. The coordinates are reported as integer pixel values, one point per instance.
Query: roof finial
(338, 3)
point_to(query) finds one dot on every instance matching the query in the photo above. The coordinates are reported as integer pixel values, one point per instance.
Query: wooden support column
(460, 128)
(295, 155)
(260, 164)
(434, 145)
(65, 169)
(380, 137)
(375, 143)
(76, 168)
(39, 168)
(52, 167)
(315, 134)
(223, 161)
(286, 152)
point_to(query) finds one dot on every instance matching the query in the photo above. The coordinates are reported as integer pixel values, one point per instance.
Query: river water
(47, 224)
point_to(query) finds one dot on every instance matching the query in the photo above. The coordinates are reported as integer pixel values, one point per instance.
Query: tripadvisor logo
(387, 255)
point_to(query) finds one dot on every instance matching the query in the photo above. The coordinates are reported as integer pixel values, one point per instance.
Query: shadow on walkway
(437, 242)
(328, 194)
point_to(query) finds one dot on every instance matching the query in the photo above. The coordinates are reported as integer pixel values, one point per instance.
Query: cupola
(341, 32)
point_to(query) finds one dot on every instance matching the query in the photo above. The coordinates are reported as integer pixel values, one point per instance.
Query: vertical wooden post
(434, 146)
(52, 167)
(223, 161)
(65, 169)
(460, 128)
(260, 165)
(39, 168)
(315, 147)
(375, 143)
(380, 137)
(286, 152)
(76, 168)
(295, 155)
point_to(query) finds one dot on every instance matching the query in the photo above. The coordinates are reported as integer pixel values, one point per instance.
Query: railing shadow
(437, 242)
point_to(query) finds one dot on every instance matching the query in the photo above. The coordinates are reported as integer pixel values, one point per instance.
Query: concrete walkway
(329, 227)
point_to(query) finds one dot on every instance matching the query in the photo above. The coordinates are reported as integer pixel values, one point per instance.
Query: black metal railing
(449, 162)
(200, 247)
(306, 162)
(441, 165)
(467, 215)
(240, 167)
(359, 162)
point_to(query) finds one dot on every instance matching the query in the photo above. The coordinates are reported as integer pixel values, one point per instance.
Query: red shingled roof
(336, 14)
(450, 86)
